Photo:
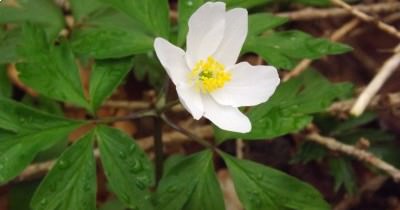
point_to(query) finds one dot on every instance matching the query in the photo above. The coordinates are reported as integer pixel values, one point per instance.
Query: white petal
(173, 60)
(191, 100)
(206, 30)
(250, 85)
(225, 117)
(234, 36)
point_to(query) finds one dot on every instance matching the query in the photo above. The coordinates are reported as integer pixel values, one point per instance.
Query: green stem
(159, 147)
(132, 116)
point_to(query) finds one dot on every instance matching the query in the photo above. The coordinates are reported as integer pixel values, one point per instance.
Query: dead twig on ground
(373, 87)
(367, 18)
(359, 154)
(312, 13)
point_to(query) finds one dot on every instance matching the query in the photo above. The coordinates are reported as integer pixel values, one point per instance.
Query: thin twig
(358, 13)
(135, 115)
(313, 14)
(187, 133)
(133, 105)
(373, 87)
(361, 155)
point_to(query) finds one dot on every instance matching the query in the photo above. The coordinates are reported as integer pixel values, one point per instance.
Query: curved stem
(188, 134)
(132, 116)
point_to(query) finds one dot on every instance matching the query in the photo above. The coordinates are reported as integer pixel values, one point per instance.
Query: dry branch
(360, 14)
(373, 87)
(312, 13)
(360, 154)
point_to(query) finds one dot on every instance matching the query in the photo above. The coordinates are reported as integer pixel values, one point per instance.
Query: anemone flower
(207, 80)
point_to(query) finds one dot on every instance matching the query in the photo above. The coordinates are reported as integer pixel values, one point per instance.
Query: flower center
(209, 75)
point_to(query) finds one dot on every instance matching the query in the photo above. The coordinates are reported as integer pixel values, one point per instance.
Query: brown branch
(312, 13)
(390, 66)
(359, 154)
(361, 15)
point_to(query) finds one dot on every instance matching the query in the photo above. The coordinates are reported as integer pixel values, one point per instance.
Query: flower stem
(188, 134)
(132, 116)
(159, 147)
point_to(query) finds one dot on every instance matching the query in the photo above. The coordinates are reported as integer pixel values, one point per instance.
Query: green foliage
(285, 49)
(147, 66)
(43, 12)
(50, 70)
(261, 22)
(107, 33)
(105, 77)
(5, 84)
(8, 45)
(110, 42)
(260, 187)
(190, 184)
(349, 131)
(71, 184)
(127, 168)
(34, 132)
(153, 15)
(342, 170)
(84, 9)
(21, 194)
(290, 108)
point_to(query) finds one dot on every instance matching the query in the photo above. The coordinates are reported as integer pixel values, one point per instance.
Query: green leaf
(21, 119)
(261, 22)
(5, 84)
(285, 49)
(50, 70)
(8, 45)
(152, 14)
(43, 12)
(191, 184)
(113, 204)
(246, 3)
(21, 194)
(309, 151)
(147, 66)
(290, 108)
(110, 42)
(128, 170)
(83, 9)
(18, 151)
(185, 9)
(260, 187)
(27, 132)
(105, 77)
(343, 173)
(71, 184)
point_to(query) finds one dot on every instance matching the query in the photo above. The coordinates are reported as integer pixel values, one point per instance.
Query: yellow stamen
(209, 75)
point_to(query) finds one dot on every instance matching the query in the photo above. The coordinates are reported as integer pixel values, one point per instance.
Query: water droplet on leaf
(122, 155)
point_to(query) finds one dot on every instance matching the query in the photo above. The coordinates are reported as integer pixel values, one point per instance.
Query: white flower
(207, 80)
